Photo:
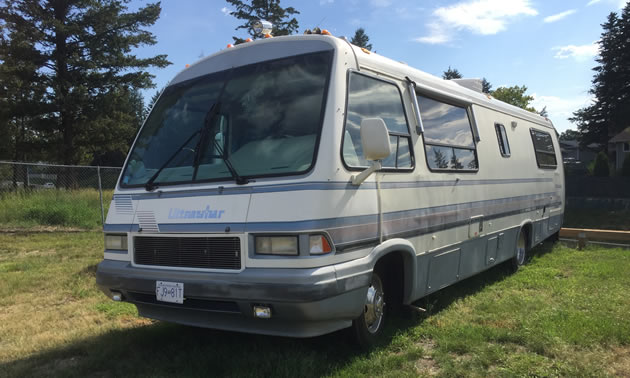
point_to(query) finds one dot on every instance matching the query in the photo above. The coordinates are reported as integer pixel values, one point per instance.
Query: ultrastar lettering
(207, 213)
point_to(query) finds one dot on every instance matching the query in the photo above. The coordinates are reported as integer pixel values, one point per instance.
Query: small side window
(448, 137)
(543, 146)
(626, 147)
(504, 145)
(370, 97)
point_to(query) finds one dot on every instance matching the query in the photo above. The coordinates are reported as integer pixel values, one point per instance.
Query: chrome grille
(190, 252)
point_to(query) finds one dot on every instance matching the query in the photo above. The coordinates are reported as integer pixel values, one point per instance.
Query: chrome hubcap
(374, 305)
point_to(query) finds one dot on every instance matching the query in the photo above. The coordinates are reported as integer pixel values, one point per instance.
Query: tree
(451, 74)
(515, 96)
(361, 39)
(269, 10)
(570, 135)
(543, 112)
(601, 168)
(83, 48)
(610, 110)
(486, 87)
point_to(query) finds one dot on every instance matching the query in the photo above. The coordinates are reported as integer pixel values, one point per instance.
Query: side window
(543, 146)
(504, 145)
(448, 138)
(367, 98)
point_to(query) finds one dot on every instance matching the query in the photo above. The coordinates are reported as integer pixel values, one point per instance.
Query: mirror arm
(358, 179)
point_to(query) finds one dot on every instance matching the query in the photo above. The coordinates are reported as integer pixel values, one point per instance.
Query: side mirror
(375, 139)
(376, 147)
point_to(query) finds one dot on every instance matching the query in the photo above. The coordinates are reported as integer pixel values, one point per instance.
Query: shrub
(625, 168)
(601, 168)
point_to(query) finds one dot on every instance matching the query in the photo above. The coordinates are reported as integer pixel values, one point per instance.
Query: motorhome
(300, 185)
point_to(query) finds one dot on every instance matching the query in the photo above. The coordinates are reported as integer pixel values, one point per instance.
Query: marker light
(326, 32)
(262, 27)
(318, 245)
(229, 45)
(248, 40)
(268, 35)
(187, 65)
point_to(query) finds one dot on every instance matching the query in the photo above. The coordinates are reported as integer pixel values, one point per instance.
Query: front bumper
(304, 302)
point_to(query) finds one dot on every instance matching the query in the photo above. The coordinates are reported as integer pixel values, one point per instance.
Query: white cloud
(326, 2)
(560, 109)
(225, 11)
(579, 53)
(483, 17)
(618, 3)
(559, 16)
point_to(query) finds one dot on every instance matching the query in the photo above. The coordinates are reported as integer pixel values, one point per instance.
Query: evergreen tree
(601, 168)
(451, 74)
(610, 111)
(486, 87)
(269, 10)
(439, 159)
(361, 39)
(83, 48)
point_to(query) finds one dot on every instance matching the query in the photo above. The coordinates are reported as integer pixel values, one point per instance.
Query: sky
(549, 46)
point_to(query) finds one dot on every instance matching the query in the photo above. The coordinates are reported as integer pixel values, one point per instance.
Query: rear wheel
(368, 327)
(520, 257)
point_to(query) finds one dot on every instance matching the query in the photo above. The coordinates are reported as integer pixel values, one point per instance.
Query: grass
(564, 314)
(597, 219)
(36, 209)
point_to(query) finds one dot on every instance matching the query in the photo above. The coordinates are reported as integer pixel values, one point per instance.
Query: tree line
(70, 83)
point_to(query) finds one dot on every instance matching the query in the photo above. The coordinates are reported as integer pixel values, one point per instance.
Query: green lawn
(565, 314)
(52, 209)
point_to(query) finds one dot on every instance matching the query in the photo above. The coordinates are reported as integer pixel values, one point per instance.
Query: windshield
(263, 118)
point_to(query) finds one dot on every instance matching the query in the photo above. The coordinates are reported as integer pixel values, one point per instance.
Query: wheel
(368, 327)
(520, 256)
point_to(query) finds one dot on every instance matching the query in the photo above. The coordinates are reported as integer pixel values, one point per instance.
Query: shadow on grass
(162, 349)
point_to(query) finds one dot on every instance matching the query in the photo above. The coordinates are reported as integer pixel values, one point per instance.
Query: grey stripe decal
(346, 231)
(327, 185)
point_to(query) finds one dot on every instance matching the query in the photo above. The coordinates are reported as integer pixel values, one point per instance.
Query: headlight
(277, 245)
(116, 242)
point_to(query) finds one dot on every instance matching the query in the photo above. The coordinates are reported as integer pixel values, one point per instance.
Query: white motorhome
(300, 185)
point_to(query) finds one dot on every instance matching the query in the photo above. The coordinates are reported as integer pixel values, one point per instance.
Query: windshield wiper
(149, 186)
(238, 179)
(201, 146)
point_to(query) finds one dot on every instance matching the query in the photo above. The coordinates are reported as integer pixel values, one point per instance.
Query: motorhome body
(237, 210)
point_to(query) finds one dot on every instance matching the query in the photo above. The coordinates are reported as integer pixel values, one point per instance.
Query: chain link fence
(48, 196)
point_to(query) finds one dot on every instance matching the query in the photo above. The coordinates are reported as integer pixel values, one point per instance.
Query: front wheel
(368, 327)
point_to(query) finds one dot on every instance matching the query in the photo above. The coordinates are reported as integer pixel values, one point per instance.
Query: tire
(521, 253)
(368, 327)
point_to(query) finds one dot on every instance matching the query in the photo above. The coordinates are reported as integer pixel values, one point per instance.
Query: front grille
(192, 252)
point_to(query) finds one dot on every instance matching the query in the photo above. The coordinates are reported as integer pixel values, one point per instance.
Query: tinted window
(368, 98)
(543, 146)
(448, 137)
(504, 145)
(265, 118)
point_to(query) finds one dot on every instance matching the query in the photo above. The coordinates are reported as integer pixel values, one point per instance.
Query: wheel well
(391, 269)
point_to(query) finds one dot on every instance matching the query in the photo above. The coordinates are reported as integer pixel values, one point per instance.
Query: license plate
(172, 292)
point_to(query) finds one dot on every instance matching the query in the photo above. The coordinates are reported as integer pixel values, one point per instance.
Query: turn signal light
(318, 245)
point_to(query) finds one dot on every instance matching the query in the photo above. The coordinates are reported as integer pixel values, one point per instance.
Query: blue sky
(549, 46)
